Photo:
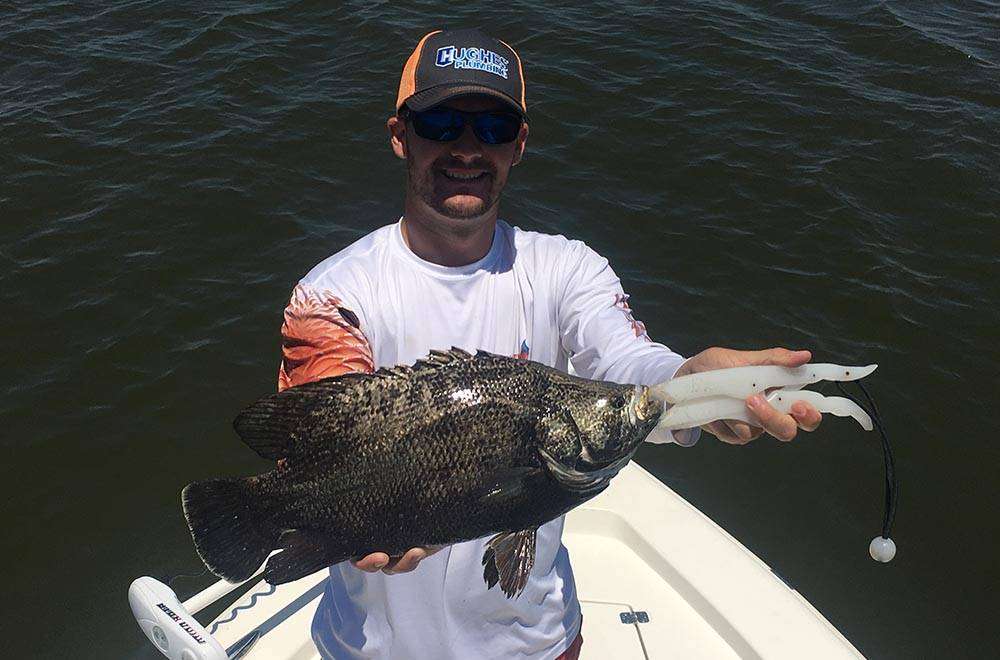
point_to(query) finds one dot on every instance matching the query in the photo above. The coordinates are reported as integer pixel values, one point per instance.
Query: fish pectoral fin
(302, 553)
(509, 485)
(586, 483)
(508, 560)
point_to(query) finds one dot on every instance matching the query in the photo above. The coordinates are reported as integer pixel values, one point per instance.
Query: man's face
(460, 179)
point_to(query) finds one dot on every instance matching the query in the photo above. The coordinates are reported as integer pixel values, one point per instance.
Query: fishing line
(168, 582)
(891, 482)
(232, 614)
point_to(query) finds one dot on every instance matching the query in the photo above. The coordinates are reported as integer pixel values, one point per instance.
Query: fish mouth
(644, 406)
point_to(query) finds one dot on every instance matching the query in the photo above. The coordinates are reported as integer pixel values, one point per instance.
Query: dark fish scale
(447, 450)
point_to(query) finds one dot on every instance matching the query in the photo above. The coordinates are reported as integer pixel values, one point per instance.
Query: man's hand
(781, 426)
(380, 561)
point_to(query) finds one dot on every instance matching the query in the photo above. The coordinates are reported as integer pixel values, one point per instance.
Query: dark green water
(759, 174)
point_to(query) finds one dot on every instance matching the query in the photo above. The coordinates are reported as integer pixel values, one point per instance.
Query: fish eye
(618, 401)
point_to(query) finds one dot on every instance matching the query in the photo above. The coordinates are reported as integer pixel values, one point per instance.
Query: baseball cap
(449, 63)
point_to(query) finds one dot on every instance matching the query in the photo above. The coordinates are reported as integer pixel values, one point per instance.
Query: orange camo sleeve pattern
(320, 338)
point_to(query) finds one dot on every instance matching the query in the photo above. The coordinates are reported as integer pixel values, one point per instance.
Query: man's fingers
(743, 432)
(733, 432)
(779, 356)
(380, 561)
(807, 416)
(372, 563)
(406, 563)
(781, 426)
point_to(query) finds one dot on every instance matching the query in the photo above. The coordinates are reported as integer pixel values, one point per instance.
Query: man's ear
(397, 135)
(522, 137)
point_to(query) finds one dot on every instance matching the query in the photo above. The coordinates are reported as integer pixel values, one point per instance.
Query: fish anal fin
(303, 552)
(508, 560)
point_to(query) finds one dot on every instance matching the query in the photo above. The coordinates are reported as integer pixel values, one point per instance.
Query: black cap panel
(429, 98)
(468, 58)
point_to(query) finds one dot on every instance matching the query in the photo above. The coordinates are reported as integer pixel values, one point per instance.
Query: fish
(456, 447)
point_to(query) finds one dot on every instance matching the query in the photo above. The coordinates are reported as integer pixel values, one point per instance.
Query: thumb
(779, 356)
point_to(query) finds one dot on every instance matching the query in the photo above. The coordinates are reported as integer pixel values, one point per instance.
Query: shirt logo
(479, 59)
(638, 327)
(522, 354)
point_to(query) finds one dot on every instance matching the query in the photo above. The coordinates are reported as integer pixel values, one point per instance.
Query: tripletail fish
(454, 448)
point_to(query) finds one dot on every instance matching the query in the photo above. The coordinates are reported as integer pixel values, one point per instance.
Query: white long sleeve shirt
(534, 296)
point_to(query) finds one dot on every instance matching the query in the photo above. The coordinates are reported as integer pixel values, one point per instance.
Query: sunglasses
(443, 124)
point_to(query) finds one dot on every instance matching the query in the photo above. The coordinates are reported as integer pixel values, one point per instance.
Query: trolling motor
(173, 630)
(697, 399)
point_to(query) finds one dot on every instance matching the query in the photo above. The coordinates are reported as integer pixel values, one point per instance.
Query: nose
(467, 148)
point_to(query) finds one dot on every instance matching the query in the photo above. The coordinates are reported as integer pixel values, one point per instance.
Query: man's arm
(607, 342)
(322, 338)
(603, 338)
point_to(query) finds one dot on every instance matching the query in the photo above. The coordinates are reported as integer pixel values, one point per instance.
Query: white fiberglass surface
(608, 569)
(283, 615)
(606, 636)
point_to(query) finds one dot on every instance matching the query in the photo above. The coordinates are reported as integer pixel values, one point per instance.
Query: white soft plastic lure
(698, 399)
(741, 382)
(697, 412)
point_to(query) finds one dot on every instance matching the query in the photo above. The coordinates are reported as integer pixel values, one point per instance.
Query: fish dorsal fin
(449, 356)
(508, 560)
(436, 358)
(267, 426)
(400, 370)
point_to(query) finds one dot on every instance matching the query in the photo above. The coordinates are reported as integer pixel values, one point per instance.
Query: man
(450, 273)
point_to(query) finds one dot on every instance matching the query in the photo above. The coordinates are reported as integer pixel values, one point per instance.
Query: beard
(454, 199)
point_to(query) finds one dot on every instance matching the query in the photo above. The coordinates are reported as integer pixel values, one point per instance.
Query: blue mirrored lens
(497, 127)
(446, 124)
(440, 124)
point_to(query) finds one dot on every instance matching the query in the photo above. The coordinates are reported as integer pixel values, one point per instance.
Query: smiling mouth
(463, 177)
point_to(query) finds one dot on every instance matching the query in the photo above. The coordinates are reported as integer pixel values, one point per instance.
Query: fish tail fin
(230, 532)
